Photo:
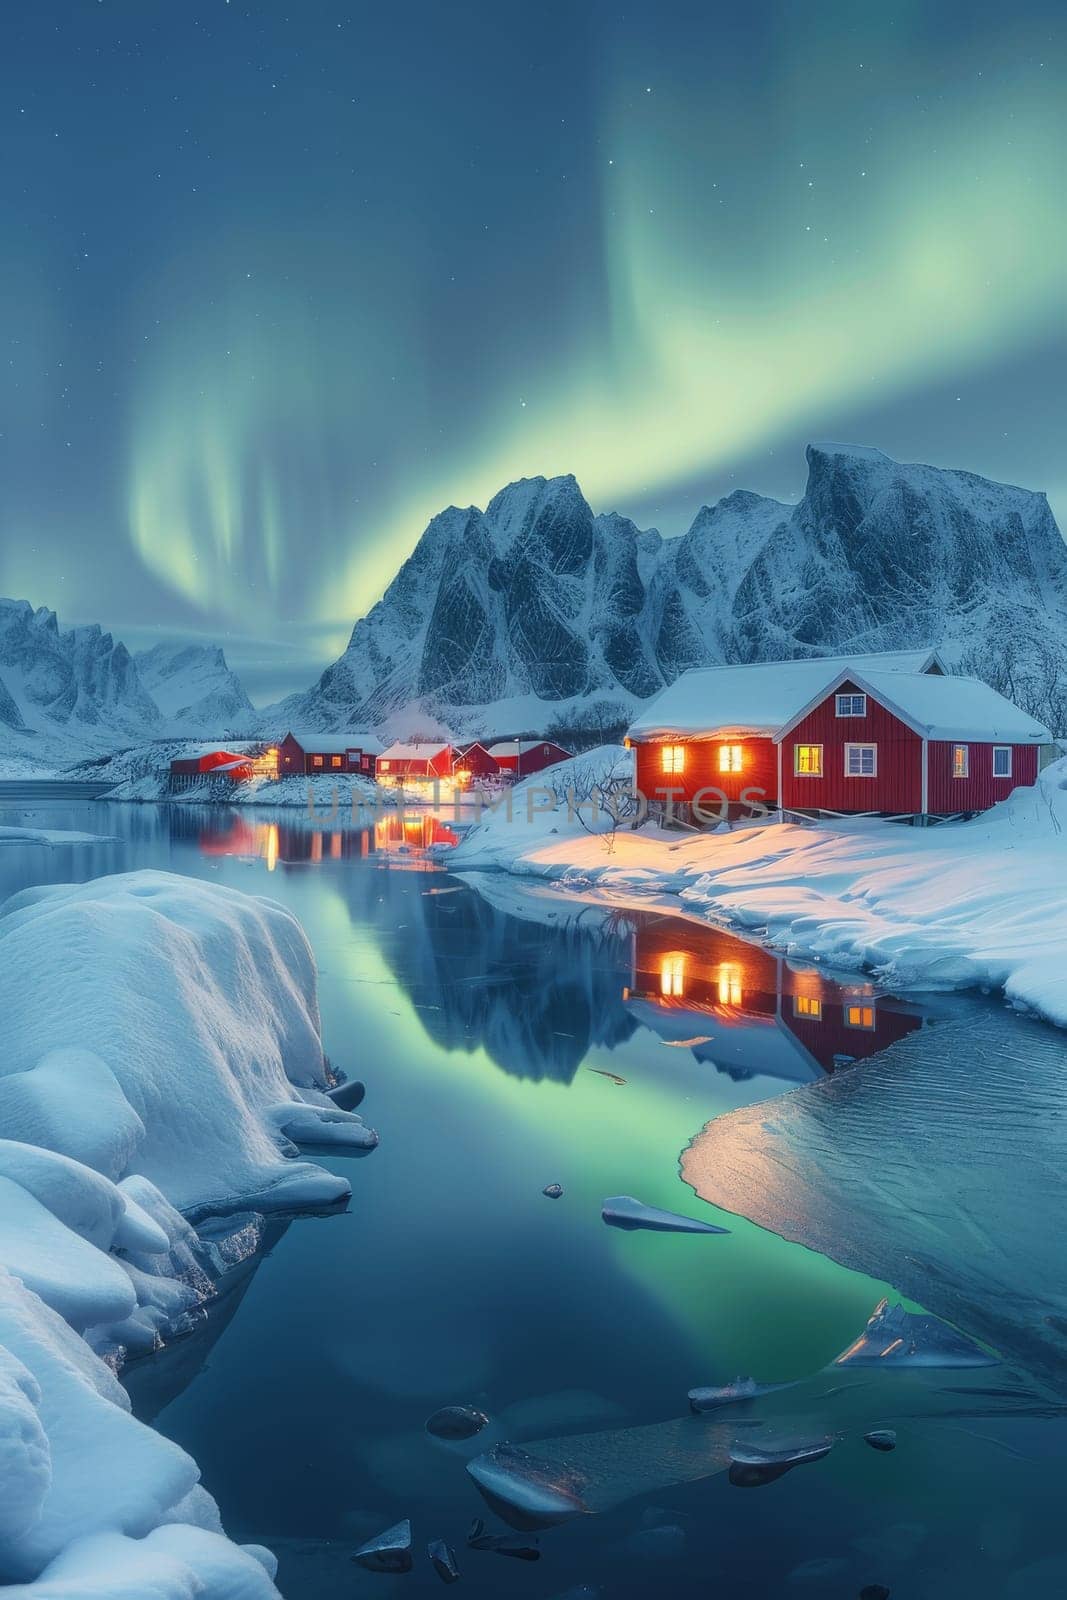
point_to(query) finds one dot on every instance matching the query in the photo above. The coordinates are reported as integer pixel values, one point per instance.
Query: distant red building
(415, 763)
(474, 762)
(521, 757)
(230, 765)
(312, 754)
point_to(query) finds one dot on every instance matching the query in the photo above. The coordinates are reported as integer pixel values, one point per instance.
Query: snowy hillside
(539, 604)
(195, 689)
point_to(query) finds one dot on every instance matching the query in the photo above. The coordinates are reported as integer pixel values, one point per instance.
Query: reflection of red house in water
(744, 1009)
(292, 845)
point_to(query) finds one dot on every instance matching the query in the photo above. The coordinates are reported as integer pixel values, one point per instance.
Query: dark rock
(874, 1591)
(554, 1191)
(881, 1439)
(348, 1095)
(504, 1544)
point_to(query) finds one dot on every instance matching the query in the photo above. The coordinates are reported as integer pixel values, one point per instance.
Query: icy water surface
(511, 1040)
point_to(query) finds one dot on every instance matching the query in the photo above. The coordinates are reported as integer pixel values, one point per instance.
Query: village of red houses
(893, 734)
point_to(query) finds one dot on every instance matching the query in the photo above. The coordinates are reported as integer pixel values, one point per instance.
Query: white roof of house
(757, 697)
(939, 707)
(509, 747)
(413, 752)
(337, 743)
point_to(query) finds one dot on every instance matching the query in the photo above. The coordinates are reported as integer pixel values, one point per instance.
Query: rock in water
(348, 1095)
(443, 1560)
(727, 1394)
(751, 1466)
(387, 1552)
(456, 1422)
(554, 1191)
(881, 1439)
(623, 1211)
(897, 1338)
(874, 1591)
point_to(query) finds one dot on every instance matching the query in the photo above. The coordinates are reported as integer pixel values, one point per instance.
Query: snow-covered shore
(961, 905)
(162, 1059)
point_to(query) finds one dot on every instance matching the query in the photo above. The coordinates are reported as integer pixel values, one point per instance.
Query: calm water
(491, 1025)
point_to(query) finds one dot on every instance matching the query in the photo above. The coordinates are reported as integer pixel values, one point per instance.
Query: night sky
(281, 280)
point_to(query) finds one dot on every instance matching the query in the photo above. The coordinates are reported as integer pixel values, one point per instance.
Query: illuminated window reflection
(805, 1005)
(730, 991)
(859, 1016)
(672, 975)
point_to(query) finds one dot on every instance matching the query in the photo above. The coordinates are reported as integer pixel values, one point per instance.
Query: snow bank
(974, 904)
(47, 836)
(161, 1055)
(349, 788)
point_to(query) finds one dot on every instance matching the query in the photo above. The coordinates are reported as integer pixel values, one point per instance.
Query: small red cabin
(313, 754)
(902, 744)
(415, 763)
(474, 763)
(705, 747)
(521, 757)
(186, 771)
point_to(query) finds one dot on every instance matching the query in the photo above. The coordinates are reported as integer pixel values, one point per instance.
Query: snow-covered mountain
(69, 693)
(194, 688)
(536, 611)
(65, 691)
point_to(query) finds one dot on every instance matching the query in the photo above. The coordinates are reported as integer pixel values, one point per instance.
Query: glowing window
(861, 761)
(859, 1016)
(335, 761)
(730, 991)
(805, 1005)
(384, 765)
(730, 757)
(807, 760)
(674, 758)
(1002, 761)
(961, 760)
(316, 761)
(852, 705)
(672, 975)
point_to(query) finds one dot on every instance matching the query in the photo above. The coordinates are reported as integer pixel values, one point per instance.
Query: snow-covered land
(45, 836)
(195, 689)
(960, 905)
(161, 1058)
(537, 612)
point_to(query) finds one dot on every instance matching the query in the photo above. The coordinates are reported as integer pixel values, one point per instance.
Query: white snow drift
(161, 1051)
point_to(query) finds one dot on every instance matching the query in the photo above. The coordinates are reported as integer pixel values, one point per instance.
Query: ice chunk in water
(897, 1338)
(727, 1394)
(763, 1460)
(456, 1422)
(348, 1095)
(623, 1211)
(553, 1191)
(532, 1493)
(443, 1560)
(387, 1552)
(881, 1439)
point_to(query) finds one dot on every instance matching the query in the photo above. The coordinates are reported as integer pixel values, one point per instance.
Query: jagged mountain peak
(536, 608)
(195, 689)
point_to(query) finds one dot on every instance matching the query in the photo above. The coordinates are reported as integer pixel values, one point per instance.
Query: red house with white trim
(318, 753)
(415, 763)
(889, 735)
(472, 763)
(521, 757)
(705, 746)
(906, 744)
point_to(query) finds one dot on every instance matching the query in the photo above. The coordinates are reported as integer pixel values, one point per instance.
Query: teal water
(490, 1025)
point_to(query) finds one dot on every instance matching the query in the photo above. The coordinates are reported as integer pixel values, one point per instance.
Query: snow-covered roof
(757, 697)
(413, 752)
(510, 747)
(337, 743)
(939, 707)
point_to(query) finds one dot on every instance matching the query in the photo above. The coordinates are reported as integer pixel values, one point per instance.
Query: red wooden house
(473, 763)
(705, 747)
(904, 744)
(521, 757)
(313, 754)
(415, 763)
(235, 766)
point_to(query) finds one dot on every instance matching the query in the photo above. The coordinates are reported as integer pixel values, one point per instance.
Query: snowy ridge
(162, 1055)
(194, 689)
(536, 609)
